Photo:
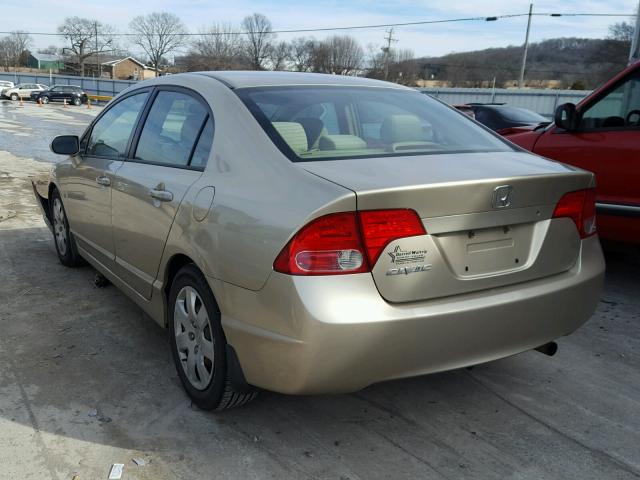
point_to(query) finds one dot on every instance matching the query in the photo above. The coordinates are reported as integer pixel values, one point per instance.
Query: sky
(425, 40)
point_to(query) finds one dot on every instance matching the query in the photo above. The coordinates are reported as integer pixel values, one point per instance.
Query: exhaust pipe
(548, 348)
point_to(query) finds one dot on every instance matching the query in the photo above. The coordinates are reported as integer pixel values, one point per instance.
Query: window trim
(197, 141)
(89, 129)
(135, 139)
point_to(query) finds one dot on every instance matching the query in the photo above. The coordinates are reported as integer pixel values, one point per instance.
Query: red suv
(600, 134)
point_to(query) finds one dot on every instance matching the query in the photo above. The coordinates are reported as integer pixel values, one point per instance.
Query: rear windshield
(329, 123)
(520, 115)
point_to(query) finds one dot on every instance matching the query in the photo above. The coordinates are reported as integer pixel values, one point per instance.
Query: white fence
(543, 102)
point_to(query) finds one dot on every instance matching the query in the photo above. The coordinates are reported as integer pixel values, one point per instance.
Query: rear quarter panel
(261, 198)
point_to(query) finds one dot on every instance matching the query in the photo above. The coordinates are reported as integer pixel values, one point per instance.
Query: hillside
(573, 62)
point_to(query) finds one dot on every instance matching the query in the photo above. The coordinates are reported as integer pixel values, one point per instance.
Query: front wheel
(198, 343)
(65, 243)
(77, 102)
(45, 100)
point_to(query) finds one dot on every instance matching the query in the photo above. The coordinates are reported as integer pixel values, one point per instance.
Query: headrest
(401, 128)
(313, 127)
(341, 142)
(293, 134)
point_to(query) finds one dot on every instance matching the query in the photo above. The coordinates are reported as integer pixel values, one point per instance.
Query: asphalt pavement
(87, 381)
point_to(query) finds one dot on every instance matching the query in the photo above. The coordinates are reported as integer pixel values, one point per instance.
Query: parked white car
(23, 90)
(5, 85)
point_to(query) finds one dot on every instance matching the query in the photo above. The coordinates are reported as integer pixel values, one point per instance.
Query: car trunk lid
(488, 218)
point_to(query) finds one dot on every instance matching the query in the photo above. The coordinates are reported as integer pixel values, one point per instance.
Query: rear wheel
(198, 343)
(65, 243)
(45, 99)
(14, 97)
(77, 102)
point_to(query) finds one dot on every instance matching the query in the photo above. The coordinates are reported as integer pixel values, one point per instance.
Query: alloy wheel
(60, 226)
(194, 338)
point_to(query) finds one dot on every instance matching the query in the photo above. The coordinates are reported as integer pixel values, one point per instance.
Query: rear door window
(171, 129)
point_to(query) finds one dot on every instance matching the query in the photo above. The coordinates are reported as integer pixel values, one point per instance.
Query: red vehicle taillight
(348, 242)
(579, 206)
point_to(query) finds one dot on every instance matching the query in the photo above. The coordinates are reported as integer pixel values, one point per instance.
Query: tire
(14, 97)
(77, 102)
(45, 99)
(199, 336)
(63, 239)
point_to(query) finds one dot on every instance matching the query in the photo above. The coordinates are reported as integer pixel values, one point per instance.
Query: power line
(363, 27)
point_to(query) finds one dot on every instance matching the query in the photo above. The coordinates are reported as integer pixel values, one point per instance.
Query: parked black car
(59, 93)
(498, 116)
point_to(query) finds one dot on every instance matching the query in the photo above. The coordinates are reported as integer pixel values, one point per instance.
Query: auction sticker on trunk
(406, 260)
(402, 257)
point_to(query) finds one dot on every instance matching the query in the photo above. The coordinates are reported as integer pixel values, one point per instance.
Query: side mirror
(566, 117)
(65, 145)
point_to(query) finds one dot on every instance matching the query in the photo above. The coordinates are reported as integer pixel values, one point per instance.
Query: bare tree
(339, 54)
(217, 48)
(158, 34)
(86, 37)
(403, 68)
(50, 50)
(301, 53)
(259, 39)
(622, 31)
(374, 61)
(280, 54)
(14, 49)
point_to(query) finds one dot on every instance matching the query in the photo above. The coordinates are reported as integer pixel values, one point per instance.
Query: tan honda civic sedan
(309, 233)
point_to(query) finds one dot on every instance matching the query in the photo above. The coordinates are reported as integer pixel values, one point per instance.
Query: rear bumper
(308, 335)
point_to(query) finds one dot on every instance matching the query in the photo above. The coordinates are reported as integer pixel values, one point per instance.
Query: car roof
(250, 78)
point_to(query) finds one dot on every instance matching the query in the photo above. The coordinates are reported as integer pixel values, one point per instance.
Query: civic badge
(502, 196)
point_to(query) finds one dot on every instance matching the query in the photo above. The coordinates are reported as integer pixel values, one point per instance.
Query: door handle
(102, 180)
(161, 195)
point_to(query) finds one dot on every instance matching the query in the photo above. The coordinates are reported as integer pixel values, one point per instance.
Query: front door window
(619, 108)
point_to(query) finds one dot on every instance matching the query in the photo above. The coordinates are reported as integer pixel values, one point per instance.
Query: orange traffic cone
(88, 103)
(65, 103)
(39, 102)
(21, 103)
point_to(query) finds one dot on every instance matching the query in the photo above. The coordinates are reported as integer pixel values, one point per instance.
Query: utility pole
(634, 55)
(99, 66)
(387, 52)
(526, 47)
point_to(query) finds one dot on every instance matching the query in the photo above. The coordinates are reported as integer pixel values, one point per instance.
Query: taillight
(379, 227)
(348, 242)
(579, 206)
